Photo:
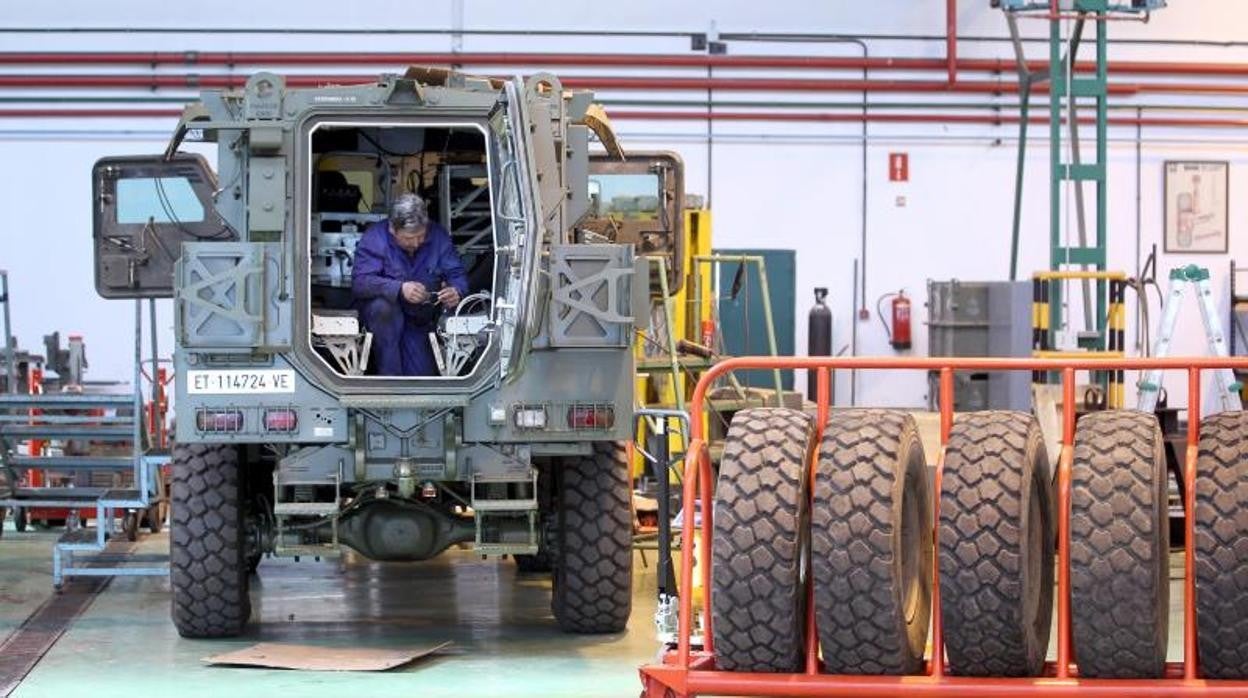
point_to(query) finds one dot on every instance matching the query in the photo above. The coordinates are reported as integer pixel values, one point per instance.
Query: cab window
(157, 200)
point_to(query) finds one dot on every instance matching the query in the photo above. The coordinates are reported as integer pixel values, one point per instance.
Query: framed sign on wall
(1196, 213)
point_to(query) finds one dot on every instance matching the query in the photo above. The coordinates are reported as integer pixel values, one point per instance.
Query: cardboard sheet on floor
(276, 655)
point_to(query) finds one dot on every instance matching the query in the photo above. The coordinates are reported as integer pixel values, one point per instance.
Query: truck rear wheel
(1119, 546)
(871, 544)
(761, 541)
(996, 545)
(593, 572)
(208, 570)
(1221, 527)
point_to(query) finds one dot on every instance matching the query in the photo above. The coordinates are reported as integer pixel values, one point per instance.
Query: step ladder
(1228, 388)
(127, 480)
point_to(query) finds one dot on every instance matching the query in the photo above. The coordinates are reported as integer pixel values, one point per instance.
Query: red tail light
(591, 417)
(284, 421)
(218, 421)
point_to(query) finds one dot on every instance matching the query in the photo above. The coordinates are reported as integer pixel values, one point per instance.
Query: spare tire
(996, 545)
(1119, 546)
(1221, 527)
(758, 602)
(871, 544)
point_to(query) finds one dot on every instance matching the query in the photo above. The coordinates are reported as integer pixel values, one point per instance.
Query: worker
(405, 268)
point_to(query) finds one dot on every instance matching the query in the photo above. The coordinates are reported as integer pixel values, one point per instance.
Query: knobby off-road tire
(871, 544)
(759, 596)
(1221, 528)
(208, 570)
(1119, 546)
(593, 576)
(996, 545)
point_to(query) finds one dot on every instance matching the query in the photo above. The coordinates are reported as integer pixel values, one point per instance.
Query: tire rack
(687, 672)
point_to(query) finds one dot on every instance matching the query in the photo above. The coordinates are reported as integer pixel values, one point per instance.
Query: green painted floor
(505, 640)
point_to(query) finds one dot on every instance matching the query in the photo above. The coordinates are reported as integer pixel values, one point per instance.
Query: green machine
(1070, 84)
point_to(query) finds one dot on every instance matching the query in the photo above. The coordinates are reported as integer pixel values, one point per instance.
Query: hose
(879, 311)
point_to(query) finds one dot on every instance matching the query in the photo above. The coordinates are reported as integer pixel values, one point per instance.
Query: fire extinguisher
(899, 330)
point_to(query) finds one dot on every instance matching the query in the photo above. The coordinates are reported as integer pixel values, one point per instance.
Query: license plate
(241, 382)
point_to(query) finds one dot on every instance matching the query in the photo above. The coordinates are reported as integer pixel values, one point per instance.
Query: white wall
(779, 185)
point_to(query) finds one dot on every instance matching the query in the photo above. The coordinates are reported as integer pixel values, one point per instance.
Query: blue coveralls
(400, 329)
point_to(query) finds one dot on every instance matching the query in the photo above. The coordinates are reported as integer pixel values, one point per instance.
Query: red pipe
(934, 118)
(89, 113)
(194, 81)
(951, 39)
(657, 115)
(618, 60)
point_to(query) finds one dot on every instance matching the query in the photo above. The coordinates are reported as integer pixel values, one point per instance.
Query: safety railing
(686, 672)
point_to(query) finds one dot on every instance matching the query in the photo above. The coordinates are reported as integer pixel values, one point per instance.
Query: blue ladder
(65, 417)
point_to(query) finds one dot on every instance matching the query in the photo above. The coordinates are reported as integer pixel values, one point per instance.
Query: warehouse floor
(505, 641)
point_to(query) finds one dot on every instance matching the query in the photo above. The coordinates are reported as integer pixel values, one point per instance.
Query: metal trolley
(687, 671)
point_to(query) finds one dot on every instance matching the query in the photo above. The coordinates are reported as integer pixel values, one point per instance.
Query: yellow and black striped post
(1117, 339)
(1039, 323)
(1111, 382)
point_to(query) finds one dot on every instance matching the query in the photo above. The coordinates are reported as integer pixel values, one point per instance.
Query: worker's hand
(414, 292)
(449, 297)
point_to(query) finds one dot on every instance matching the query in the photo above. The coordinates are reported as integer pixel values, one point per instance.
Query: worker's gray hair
(408, 211)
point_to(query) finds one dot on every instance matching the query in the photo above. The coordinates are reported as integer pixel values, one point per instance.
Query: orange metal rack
(685, 672)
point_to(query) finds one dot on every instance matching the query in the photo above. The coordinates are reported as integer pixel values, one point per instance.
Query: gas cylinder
(901, 321)
(818, 337)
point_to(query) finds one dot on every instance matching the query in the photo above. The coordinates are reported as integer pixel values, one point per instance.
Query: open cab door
(145, 207)
(527, 167)
(640, 201)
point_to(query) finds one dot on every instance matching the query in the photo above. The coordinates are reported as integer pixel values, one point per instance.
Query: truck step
(308, 551)
(305, 508)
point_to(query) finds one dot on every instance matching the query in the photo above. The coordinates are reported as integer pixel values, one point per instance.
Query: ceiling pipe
(613, 103)
(660, 115)
(604, 60)
(196, 82)
(623, 83)
(935, 118)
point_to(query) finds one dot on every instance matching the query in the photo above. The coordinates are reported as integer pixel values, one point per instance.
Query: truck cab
(288, 440)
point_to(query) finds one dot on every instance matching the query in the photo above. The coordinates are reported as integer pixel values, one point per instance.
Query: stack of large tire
(860, 543)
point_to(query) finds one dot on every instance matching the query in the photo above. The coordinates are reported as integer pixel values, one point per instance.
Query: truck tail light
(530, 417)
(218, 421)
(591, 417)
(282, 421)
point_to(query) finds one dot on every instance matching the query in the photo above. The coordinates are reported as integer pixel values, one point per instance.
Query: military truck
(287, 442)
